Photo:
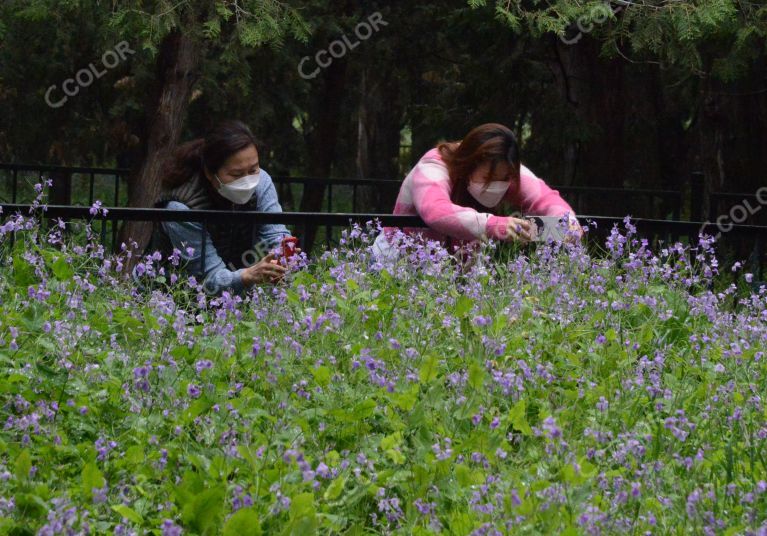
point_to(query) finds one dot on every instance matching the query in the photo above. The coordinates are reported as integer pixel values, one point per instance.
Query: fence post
(117, 204)
(697, 187)
(204, 235)
(61, 190)
(330, 209)
(758, 253)
(15, 186)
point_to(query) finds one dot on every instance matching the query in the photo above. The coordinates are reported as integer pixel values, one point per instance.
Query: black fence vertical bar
(14, 185)
(330, 209)
(697, 191)
(203, 236)
(354, 198)
(758, 255)
(117, 204)
(714, 206)
(90, 188)
(42, 221)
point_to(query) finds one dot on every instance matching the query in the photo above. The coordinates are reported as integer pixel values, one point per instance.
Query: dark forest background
(622, 94)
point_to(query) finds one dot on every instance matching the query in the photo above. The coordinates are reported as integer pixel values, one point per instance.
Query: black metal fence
(751, 236)
(77, 188)
(77, 185)
(83, 185)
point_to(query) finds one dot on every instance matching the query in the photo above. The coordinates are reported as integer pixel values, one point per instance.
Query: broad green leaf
(128, 513)
(62, 268)
(303, 518)
(204, 510)
(477, 376)
(23, 465)
(391, 441)
(518, 418)
(429, 369)
(463, 305)
(335, 488)
(244, 522)
(23, 272)
(92, 478)
(322, 375)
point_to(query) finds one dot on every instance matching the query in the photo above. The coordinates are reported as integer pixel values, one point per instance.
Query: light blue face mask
(241, 190)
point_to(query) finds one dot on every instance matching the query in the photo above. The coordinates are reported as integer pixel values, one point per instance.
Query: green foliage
(566, 391)
(680, 34)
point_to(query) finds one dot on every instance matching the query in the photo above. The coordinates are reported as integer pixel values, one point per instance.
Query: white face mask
(241, 190)
(490, 196)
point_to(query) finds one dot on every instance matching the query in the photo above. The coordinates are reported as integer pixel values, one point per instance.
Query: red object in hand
(289, 246)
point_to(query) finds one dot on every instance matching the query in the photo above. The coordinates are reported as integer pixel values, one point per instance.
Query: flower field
(538, 391)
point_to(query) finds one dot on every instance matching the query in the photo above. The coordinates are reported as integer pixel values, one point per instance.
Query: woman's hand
(520, 230)
(575, 232)
(267, 270)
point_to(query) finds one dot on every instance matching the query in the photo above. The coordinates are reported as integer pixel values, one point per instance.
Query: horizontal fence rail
(656, 203)
(115, 175)
(682, 228)
(669, 231)
(283, 183)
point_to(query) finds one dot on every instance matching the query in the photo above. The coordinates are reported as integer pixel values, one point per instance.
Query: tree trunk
(378, 139)
(594, 87)
(61, 189)
(322, 142)
(176, 75)
(711, 159)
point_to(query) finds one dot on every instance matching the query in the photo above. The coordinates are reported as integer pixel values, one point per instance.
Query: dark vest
(231, 239)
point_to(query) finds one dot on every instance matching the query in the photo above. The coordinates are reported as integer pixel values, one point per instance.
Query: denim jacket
(218, 276)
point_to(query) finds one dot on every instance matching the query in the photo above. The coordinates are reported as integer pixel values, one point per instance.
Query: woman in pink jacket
(455, 187)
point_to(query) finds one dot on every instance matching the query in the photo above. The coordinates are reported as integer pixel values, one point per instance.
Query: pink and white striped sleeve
(431, 199)
(536, 198)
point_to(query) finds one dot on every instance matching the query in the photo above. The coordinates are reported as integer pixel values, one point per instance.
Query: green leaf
(392, 441)
(62, 268)
(23, 465)
(429, 370)
(128, 513)
(361, 411)
(204, 510)
(23, 272)
(92, 478)
(199, 407)
(462, 306)
(302, 505)
(302, 515)
(212, 28)
(476, 376)
(335, 488)
(406, 400)
(463, 475)
(518, 418)
(396, 456)
(244, 522)
(322, 375)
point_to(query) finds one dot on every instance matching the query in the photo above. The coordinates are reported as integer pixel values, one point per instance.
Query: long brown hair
(209, 153)
(493, 143)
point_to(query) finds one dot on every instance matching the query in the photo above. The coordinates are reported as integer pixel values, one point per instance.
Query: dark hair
(492, 143)
(210, 152)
